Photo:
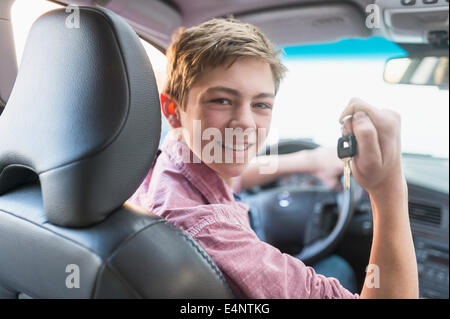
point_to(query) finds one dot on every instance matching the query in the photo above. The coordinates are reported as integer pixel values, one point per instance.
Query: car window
(320, 81)
(322, 78)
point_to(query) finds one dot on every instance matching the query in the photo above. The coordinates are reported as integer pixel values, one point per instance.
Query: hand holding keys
(347, 149)
(376, 160)
(377, 167)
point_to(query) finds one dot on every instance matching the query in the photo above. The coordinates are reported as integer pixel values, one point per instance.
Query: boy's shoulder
(207, 218)
(167, 192)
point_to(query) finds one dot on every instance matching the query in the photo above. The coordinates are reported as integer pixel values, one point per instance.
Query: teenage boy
(223, 76)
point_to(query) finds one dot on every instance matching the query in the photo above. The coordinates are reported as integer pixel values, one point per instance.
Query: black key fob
(347, 146)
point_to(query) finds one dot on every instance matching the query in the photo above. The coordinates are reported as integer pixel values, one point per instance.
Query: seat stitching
(208, 258)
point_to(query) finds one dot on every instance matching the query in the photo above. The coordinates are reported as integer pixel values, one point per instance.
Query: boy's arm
(377, 167)
(392, 247)
(321, 162)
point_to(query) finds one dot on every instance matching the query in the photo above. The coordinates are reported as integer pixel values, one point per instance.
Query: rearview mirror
(430, 70)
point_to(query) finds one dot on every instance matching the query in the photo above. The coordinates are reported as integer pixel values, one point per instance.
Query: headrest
(83, 115)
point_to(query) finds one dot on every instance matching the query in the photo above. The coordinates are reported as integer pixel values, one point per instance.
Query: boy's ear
(169, 109)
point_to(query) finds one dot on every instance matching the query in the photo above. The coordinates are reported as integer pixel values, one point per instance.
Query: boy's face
(235, 102)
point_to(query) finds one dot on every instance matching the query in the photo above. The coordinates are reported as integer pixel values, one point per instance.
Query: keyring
(343, 121)
(346, 118)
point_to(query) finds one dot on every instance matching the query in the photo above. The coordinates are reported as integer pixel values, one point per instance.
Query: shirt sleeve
(255, 269)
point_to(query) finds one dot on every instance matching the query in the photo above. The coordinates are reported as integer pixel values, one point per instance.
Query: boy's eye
(262, 106)
(221, 101)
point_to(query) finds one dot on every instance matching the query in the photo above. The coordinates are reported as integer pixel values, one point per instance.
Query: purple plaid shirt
(195, 199)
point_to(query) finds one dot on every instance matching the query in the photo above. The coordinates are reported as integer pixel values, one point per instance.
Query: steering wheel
(297, 219)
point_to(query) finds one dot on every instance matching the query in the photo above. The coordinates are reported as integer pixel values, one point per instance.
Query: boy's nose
(243, 118)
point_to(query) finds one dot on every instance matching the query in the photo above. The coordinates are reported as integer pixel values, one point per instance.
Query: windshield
(321, 79)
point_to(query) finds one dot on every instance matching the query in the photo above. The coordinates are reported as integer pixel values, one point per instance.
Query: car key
(347, 149)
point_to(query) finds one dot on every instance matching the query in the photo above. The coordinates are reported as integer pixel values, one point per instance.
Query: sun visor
(156, 22)
(309, 24)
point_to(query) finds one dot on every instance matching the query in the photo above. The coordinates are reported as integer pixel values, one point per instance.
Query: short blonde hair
(212, 44)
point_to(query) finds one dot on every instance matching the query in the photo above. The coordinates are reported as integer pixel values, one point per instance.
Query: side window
(159, 62)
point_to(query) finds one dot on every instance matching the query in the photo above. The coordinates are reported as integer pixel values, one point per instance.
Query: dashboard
(429, 216)
(428, 199)
(428, 192)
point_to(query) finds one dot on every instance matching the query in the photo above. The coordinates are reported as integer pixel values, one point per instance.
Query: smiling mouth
(236, 147)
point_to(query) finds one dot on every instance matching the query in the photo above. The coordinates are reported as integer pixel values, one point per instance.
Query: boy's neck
(227, 180)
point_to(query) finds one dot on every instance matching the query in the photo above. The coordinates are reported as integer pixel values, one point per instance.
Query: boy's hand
(377, 166)
(326, 165)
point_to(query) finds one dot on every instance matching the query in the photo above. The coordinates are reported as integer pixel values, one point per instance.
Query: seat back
(77, 137)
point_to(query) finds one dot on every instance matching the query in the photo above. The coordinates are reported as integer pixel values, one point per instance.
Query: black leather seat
(77, 137)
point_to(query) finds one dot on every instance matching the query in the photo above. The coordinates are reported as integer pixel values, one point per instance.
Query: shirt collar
(203, 178)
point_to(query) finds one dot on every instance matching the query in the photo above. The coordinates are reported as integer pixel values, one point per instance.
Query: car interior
(77, 106)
